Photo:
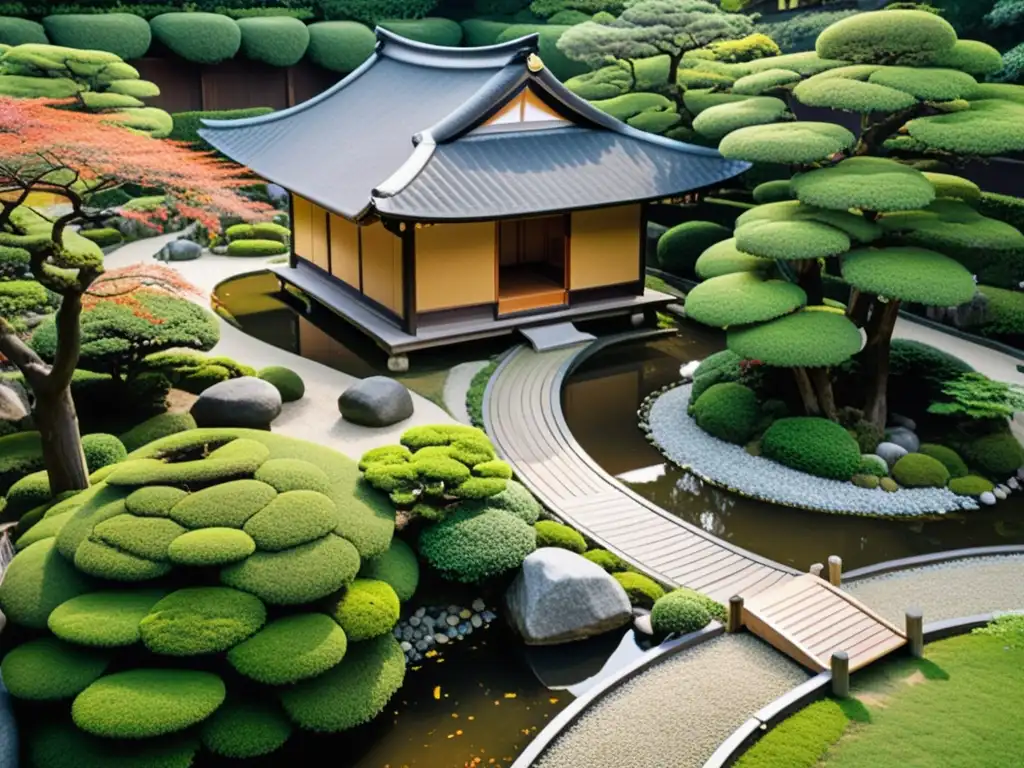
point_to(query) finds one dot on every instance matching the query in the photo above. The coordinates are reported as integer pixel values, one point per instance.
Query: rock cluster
(430, 628)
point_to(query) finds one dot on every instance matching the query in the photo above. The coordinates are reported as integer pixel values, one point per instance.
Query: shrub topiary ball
(995, 456)
(398, 567)
(552, 534)
(680, 613)
(609, 561)
(816, 446)
(198, 620)
(290, 649)
(471, 546)
(366, 609)
(641, 590)
(915, 470)
(285, 380)
(516, 500)
(949, 458)
(728, 411)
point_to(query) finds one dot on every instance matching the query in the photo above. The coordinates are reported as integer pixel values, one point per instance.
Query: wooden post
(735, 619)
(835, 570)
(817, 569)
(840, 674)
(915, 632)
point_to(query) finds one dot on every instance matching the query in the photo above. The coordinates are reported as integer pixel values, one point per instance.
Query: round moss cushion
(352, 693)
(59, 744)
(106, 562)
(742, 298)
(290, 649)
(199, 620)
(398, 567)
(145, 537)
(48, 669)
(104, 619)
(285, 380)
(293, 518)
(367, 609)
(211, 546)
(243, 729)
(294, 475)
(37, 580)
(141, 703)
(228, 505)
(153, 500)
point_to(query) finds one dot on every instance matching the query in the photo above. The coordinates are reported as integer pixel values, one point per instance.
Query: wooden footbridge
(802, 615)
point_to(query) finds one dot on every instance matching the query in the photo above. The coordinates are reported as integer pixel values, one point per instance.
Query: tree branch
(24, 357)
(69, 342)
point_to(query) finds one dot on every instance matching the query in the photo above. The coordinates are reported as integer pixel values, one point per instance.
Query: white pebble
(478, 605)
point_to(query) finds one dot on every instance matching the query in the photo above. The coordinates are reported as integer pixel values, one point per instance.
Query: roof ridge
(404, 49)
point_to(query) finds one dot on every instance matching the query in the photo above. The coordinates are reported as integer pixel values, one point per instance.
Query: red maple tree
(71, 155)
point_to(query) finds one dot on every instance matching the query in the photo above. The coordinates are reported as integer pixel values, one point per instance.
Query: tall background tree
(70, 155)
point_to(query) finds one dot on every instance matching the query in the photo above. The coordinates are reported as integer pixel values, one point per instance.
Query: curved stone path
(315, 417)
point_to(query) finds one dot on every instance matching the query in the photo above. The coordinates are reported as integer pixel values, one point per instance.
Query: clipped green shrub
(516, 500)
(397, 566)
(432, 30)
(970, 485)
(102, 450)
(210, 546)
(949, 458)
(285, 381)
(727, 411)
(352, 692)
(995, 456)
(28, 493)
(204, 38)
(1005, 316)
(366, 609)
(158, 426)
(105, 619)
(48, 669)
(290, 649)
(123, 34)
(679, 612)
(773, 192)
(340, 46)
(102, 237)
(14, 263)
(256, 248)
(679, 247)
(817, 446)
(38, 580)
(187, 124)
(243, 729)
(23, 297)
(714, 369)
(15, 31)
(911, 38)
(374, 11)
(279, 41)
(141, 703)
(478, 32)
(297, 575)
(472, 546)
(641, 590)
(561, 66)
(916, 470)
(198, 620)
(609, 561)
(552, 534)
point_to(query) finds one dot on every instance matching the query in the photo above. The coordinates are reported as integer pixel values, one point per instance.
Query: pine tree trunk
(823, 385)
(857, 309)
(807, 396)
(876, 359)
(62, 442)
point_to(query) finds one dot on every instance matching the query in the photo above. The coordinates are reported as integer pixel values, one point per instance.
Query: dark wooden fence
(236, 84)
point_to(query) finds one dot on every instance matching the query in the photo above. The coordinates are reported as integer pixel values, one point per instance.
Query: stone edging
(578, 707)
(935, 558)
(766, 718)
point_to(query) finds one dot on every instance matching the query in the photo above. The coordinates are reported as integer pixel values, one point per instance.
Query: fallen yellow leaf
(510, 695)
(437, 691)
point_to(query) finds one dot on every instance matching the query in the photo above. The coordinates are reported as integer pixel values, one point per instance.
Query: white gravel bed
(947, 590)
(677, 712)
(677, 436)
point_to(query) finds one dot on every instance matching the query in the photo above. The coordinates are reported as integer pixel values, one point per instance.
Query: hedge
(949, 458)
(123, 34)
(141, 703)
(158, 426)
(727, 411)
(285, 381)
(472, 546)
(641, 590)
(480, 32)
(204, 38)
(366, 609)
(279, 41)
(256, 248)
(1005, 315)
(244, 729)
(260, 231)
(340, 46)
(813, 445)
(680, 246)
(15, 31)
(679, 612)
(290, 649)
(187, 124)
(201, 620)
(104, 237)
(48, 669)
(293, 518)
(996, 456)
(397, 566)
(435, 31)
(374, 11)
(552, 534)
(916, 470)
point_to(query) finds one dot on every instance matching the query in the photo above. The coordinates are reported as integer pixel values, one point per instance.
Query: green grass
(960, 707)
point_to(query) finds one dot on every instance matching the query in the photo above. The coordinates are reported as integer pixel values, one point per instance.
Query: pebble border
(430, 628)
(874, 500)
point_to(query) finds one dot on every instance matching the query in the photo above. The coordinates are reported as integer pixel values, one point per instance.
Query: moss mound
(816, 446)
(158, 426)
(290, 649)
(516, 500)
(104, 619)
(205, 38)
(724, 258)
(397, 567)
(60, 745)
(142, 703)
(293, 518)
(552, 534)
(243, 729)
(211, 546)
(728, 411)
(145, 537)
(228, 505)
(285, 475)
(996, 456)
(949, 458)
(679, 612)
(279, 41)
(888, 37)
(153, 500)
(37, 580)
(48, 669)
(471, 546)
(351, 693)
(641, 590)
(198, 620)
(679, 247)
(106, 562)
(609, 561)
(865, 183)
(367, 609)
(970, 485)
(285, 380)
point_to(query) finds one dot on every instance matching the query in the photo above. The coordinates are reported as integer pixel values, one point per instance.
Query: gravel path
(946, 590)
(679, 711)
(315, 417)
(677, 435)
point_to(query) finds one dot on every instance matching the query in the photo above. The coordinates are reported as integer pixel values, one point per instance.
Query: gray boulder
(377, 401)
(890, 452)
(904, 438)
(14, 401)
(245, 402)
(180, 250)
(898, 420)
(559, 597)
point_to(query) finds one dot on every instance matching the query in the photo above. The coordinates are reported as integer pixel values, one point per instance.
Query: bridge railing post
(734, 622)
(915, 632)
(835, 570)
(840, 665)
(816, 570)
